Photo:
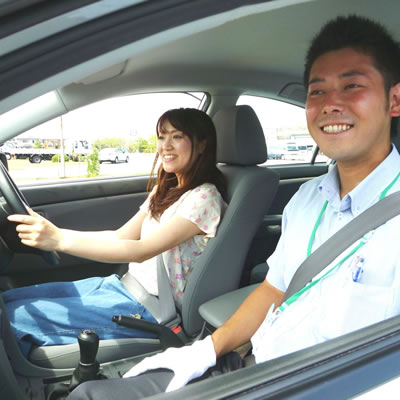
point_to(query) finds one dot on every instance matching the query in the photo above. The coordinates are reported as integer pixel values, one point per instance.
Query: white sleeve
(277, 261)
(145, 206)
(203, 206)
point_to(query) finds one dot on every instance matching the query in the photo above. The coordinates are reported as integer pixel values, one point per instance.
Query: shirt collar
(366, 192)
(329, 187)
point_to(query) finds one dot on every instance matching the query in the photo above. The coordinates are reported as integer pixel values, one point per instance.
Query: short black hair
(361, 34)
(364, 35)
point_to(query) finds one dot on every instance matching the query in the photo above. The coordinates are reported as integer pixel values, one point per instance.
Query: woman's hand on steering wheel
(15, 204)
(36, 231)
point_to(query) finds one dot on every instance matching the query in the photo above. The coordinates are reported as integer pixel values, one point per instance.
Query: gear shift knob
(88, 345)
(88, 368)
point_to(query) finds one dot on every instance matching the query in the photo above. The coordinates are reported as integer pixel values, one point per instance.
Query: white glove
(186, 362)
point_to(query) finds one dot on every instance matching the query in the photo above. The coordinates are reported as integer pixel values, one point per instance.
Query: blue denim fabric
(55, 313)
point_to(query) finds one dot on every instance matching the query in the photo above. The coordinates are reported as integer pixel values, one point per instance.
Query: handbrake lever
(166, 336)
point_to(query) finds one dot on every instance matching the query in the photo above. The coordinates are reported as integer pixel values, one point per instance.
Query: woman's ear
(394, 101)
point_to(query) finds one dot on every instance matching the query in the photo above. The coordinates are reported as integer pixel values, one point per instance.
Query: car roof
(225, 52)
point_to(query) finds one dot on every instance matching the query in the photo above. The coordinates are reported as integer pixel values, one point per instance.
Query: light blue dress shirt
(337, 304)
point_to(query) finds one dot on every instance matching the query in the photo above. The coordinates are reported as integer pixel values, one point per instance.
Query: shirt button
(340, 216)
(357, 212)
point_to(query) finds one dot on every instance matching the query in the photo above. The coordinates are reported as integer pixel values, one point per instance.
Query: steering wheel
(14, 202)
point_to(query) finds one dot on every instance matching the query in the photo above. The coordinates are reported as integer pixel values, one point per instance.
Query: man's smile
(336, 128)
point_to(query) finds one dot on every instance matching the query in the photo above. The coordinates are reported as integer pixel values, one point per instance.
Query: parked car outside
(113, 155)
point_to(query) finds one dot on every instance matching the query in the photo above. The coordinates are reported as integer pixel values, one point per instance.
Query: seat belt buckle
(176, 329)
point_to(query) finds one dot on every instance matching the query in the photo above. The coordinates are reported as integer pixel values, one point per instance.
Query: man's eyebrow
(316, 80)
(348, 74)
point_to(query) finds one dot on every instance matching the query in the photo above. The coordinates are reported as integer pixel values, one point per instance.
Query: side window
(111, 138)
(285, 129)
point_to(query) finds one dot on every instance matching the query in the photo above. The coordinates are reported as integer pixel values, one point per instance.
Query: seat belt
(166, 299)
(162, 307)
(370, 219)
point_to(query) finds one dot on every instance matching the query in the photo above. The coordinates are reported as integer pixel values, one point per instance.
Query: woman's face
(175, 150)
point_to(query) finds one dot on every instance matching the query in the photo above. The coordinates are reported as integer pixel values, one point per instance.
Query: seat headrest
(240, 138)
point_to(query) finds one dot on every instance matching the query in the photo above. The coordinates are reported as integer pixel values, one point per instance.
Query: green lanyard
(362, 242)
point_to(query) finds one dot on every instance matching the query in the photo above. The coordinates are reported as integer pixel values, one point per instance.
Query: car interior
(224, 53)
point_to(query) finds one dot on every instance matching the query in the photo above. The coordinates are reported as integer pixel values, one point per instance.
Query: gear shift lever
(88, 346)
(88, 367)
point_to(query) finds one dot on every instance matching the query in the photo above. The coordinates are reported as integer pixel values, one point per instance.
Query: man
(353, 92)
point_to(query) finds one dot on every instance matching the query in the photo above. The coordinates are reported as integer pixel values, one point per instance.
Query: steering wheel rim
(17, 204)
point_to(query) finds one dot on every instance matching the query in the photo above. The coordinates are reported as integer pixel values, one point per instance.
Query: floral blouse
(203, 206)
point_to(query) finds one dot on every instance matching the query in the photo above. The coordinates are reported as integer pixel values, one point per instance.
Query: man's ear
(394, 101)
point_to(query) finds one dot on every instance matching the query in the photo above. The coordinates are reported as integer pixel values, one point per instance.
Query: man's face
(348, 112)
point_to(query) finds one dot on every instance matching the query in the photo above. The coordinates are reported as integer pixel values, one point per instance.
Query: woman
(181, 213)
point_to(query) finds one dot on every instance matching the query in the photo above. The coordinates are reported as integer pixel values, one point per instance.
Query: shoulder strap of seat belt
(166, 299)
(374, 216)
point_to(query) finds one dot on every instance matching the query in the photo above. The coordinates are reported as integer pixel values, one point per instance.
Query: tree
(115, 143)
(57, 158)
(38, 145)
(133, 147)
(142, 145)
(93, 163)
(151, 144)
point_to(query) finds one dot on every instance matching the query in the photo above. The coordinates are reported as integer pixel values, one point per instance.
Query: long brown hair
(198, 127)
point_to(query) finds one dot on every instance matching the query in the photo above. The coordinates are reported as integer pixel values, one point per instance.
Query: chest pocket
(354, 305)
